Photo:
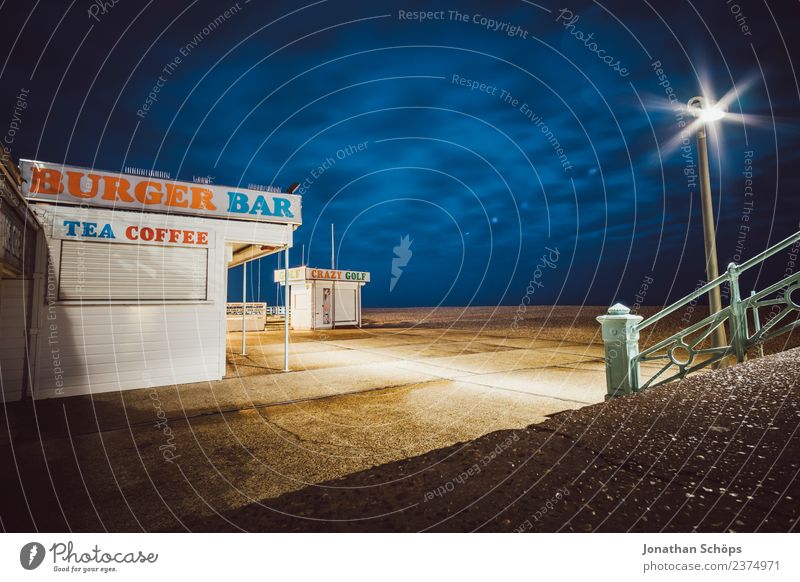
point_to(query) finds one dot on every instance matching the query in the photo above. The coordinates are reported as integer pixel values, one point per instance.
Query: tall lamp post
(706, 114)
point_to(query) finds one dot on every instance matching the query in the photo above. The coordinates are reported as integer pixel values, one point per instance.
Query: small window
(125, 272)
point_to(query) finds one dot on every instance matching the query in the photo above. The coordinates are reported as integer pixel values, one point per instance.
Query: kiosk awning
(244, 253)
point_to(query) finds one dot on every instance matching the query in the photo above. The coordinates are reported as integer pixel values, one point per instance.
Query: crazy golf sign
(61, 184)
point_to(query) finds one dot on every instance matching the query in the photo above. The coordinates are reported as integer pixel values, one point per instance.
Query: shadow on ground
(714, 453)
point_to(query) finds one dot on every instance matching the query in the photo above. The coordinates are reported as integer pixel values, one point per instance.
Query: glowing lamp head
(705, 112)
(711, 114)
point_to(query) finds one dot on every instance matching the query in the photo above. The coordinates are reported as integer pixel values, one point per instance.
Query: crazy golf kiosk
(323, 298)
(131, 283)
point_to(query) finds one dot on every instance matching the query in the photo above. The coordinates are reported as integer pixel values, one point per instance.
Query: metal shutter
(113, 271)
(345, 305)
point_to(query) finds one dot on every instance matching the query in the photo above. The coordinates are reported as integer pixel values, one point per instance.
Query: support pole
(244, 309)
(333, 284)
(278, 287)
(756, 323)
(738, 316)
(286, 312)
(621, 339)
(712, 269)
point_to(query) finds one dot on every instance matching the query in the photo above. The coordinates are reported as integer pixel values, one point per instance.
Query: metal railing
(688, 350)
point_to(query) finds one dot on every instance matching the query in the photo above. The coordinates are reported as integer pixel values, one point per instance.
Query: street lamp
(707, 113)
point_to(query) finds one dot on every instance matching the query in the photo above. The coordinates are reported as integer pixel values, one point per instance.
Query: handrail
(765, 254)
(685, 351)
(760, 257)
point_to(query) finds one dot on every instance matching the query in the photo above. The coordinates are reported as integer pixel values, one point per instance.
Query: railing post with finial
(621, 340)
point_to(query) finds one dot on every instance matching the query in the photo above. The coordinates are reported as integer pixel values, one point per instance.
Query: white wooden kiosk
(132, 274)
(323, 298)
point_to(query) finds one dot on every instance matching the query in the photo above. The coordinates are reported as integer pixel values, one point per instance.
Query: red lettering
(201, 198)
(74, 184)
(46, 181)
(175, 194)
(116, 188)
(148, 192)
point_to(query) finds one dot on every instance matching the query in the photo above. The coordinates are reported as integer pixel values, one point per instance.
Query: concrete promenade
(155, 458)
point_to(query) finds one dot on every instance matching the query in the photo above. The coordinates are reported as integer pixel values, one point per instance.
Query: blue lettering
(261, 206)
(237, 202)
(107, 232)
(71, 225)
(282, 207)
(89, 229)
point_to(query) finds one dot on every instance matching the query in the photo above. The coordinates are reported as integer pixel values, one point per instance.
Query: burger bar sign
(61, 184)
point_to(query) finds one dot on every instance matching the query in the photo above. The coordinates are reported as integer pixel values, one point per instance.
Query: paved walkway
(716, 452)
(153, 459)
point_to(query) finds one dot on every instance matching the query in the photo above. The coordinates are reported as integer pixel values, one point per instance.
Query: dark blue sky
(474, 176)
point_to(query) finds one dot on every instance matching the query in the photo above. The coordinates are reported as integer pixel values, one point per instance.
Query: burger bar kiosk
(130, 280)
(323, 298)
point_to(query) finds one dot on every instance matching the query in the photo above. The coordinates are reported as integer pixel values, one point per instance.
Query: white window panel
(113, 271)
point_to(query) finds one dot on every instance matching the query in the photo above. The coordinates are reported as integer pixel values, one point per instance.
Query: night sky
(492, 134)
